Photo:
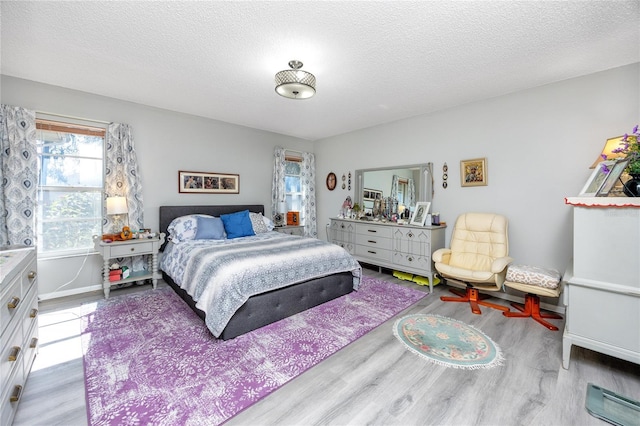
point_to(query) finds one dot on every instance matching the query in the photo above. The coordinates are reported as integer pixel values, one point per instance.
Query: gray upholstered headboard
(168, 213)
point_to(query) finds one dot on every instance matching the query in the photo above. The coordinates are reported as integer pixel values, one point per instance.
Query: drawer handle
(371, 241)
(33, 313)
(133, 249)
(410, 235)
(13, 303)
(410, 259)
(371, 230)
(13, 355)
(342, 226)
(34, 343)
(15, 395)
(32, 275)
(372, 252)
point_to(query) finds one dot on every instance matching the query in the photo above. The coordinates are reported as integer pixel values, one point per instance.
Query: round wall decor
(331, 181)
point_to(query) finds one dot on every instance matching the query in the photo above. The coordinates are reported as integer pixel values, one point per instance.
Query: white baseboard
(72, 292)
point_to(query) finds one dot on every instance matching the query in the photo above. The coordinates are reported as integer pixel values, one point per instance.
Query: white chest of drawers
(602, 285)
(402, 247)
(18, 326)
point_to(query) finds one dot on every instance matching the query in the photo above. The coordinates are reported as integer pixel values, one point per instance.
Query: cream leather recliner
(478, 258)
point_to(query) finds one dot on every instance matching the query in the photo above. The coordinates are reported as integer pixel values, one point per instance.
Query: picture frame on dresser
(596, 179)
(612, 177)
(420, 213)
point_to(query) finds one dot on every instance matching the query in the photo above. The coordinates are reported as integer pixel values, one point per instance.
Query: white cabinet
(373, 242)
(602, 286)
(343, 233)
(405, 248)
(18, 326)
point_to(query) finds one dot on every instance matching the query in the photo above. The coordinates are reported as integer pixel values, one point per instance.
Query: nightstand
(130, 248)
(291, 230)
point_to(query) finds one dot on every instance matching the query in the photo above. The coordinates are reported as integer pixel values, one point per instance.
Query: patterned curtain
(308, 214)
(122, 179)
(277, 186)
(19, 175)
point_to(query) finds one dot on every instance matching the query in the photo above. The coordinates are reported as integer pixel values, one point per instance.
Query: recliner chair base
(531, 308)
(473, 296)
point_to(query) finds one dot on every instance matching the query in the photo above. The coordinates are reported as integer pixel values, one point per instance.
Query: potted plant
(356, 210)
(630, 147)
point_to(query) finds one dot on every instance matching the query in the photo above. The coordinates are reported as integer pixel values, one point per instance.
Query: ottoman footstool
(535, 282)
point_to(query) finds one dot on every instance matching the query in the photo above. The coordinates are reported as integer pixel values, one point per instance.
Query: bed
(259, 307)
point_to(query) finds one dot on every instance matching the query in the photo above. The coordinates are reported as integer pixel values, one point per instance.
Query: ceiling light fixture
(295, 83)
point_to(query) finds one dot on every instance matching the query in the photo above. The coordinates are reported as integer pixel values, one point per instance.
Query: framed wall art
(331, 181)
(208, 183)
(473, 172)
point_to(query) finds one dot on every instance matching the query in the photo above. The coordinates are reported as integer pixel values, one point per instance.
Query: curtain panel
(19, 176)
(122, 179)
(309, 194)
(278, 193)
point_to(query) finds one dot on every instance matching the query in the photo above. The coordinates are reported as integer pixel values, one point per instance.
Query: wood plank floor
(375, 380)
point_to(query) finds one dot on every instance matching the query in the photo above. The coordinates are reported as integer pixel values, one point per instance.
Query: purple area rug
(148, 359)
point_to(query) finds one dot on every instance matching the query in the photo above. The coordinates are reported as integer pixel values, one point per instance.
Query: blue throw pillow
(237, 224)
(210, 228)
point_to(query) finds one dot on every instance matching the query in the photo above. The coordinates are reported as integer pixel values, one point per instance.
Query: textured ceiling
(375, 62)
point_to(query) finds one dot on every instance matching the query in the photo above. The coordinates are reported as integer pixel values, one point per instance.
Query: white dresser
(405, 248)
(602, 286)
(18, 325)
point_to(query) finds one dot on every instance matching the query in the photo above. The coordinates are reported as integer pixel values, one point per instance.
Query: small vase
(631, 187)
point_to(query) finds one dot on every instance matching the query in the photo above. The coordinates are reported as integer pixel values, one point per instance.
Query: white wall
(538, 143)
(166, 142)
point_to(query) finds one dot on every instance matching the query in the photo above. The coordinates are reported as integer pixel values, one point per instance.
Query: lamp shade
(116, 205)
(607, 151)
(295, 83)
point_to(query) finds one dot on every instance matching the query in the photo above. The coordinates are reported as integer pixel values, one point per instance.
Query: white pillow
(269, 223)
(258, 223)
(184, 228)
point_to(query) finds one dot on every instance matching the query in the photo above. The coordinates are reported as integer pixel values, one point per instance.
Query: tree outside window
(70, 186)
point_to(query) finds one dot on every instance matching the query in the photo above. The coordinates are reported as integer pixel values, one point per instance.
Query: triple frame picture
(208, 183)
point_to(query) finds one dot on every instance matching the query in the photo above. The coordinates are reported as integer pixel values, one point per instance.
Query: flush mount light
(295, 83)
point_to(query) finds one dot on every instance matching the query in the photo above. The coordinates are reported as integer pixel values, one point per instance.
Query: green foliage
(75, 225)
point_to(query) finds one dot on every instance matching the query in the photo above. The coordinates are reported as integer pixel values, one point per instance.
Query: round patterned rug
(447, 342)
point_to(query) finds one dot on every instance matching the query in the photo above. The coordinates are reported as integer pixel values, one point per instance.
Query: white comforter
(220, 275)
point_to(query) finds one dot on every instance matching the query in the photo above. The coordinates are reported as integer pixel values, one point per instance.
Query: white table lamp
(117, 206)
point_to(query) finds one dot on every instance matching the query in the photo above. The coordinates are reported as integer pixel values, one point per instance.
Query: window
(403, 185)
(70, 186)
(293, 183)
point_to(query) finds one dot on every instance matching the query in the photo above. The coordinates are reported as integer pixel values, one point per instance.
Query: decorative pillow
(257, 222)
(210, 228)
(268, 223)
(533, 275)
(184, 228)
(237, 224)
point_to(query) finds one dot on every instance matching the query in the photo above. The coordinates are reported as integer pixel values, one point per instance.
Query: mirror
(372, 184)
